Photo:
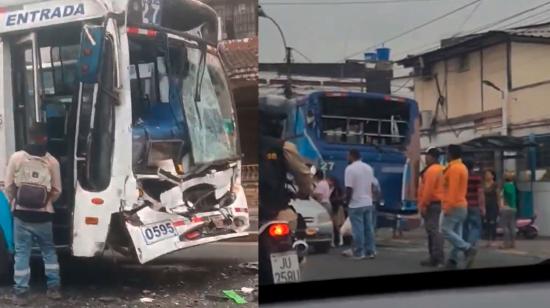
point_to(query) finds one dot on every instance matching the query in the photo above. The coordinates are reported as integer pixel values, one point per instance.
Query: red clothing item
(473, 195)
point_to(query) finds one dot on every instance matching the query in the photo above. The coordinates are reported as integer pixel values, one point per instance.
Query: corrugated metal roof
(537, 31)
(542, 31)
(241, 58)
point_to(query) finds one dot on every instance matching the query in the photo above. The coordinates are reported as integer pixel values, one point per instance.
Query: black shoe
(21, 299)
(470, 256)
(451, 265)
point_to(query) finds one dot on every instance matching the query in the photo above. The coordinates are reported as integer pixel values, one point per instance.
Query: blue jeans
(24, 234)
(471, 232)
(452, 231)
(362, 230)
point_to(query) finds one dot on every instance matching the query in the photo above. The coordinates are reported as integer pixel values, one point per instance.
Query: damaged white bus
(139, 115)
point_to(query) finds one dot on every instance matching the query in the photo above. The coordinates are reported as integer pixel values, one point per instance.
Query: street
(186, 282)
(193, 277)
(402, 256)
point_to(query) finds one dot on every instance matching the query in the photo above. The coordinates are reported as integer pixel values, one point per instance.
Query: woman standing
(337, 200)
(492, 197)
(508, 212)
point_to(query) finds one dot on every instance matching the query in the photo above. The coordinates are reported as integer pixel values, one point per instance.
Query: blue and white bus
(384, 128)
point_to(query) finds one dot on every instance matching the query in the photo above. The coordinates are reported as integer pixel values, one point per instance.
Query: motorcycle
(281, 251)
(280, 254)
(525, 227)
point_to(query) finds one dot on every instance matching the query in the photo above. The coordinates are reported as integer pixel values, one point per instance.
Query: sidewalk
(539, 247)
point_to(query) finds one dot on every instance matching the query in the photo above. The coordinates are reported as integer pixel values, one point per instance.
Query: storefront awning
(497, 143)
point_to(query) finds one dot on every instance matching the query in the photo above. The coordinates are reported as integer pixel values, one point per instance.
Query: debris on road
(246, 290)
(108, 299)
(93, 286)
(250, 266)
(235, 297)
(146, 300)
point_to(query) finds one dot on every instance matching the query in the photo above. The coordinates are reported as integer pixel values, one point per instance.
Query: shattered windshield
(211, 120)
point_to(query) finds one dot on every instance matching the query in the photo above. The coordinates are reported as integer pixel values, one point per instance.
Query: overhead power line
(302, 54)
(431, 21)
(468, 18)
(435, 44)
(302, 3)
(528, 18)
(501, 21)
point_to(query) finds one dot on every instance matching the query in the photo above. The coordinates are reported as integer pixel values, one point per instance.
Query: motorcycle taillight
(279, 230)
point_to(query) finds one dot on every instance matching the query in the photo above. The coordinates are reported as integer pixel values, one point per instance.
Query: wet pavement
(106, 284)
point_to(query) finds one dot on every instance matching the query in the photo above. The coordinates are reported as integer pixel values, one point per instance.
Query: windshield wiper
(198, 82)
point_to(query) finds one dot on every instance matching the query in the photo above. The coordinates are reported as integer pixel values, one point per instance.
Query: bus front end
(140, 117)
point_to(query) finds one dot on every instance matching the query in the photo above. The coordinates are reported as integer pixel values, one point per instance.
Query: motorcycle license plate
(285, 267)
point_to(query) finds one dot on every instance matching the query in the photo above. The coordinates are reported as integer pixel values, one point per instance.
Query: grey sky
(329, 33)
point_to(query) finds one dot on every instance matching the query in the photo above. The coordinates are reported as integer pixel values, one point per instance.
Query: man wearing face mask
(33, 184)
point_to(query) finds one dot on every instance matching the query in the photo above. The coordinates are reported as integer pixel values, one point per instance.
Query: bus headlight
(239, 221)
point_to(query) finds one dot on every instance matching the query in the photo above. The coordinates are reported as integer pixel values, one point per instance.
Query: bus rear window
(360, 120)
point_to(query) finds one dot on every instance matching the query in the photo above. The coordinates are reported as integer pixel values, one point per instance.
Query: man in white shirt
(360, 185)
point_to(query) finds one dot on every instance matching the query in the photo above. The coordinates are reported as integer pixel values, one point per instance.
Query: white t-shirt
(322, 188)
(360, 177)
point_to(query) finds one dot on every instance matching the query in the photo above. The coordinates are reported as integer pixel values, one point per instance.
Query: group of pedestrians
(462, 198)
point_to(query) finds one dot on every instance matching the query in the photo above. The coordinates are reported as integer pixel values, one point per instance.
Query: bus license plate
(157, 232)
(285, 267)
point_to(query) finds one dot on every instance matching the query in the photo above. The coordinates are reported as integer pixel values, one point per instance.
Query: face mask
(310, 120)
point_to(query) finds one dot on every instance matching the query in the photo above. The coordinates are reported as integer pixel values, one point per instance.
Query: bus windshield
(364, 120)
(211, 120)
(166, 104)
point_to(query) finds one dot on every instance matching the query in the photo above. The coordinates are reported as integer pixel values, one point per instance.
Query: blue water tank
(383, 54)
(371, 56)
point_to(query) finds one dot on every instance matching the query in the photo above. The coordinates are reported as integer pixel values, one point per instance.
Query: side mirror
(91, 51)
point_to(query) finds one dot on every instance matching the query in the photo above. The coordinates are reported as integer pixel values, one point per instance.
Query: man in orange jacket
(455, 207)
(430, 193)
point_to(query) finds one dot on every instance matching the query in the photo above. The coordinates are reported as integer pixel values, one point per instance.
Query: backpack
(33, 181)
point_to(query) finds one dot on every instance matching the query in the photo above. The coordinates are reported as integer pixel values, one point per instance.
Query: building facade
(239, 18)
(494, 83)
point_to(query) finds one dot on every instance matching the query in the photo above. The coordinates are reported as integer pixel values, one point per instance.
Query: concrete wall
(494, 70)
(464, 85)
(530, 69)
(463, 88)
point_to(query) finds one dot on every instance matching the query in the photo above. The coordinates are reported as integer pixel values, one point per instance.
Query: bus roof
(178, 15)
(367, 95)
(35, 14)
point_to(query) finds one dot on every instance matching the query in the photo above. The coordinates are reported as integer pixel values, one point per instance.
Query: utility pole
(288, 53)
(288, 84)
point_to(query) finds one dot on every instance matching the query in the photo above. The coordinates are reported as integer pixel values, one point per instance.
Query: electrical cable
(436, 44)
(468, 18)
(431, 21)
(498, 22)
(302, 54)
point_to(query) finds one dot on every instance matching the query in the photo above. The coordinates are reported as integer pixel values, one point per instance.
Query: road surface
(404, 255)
